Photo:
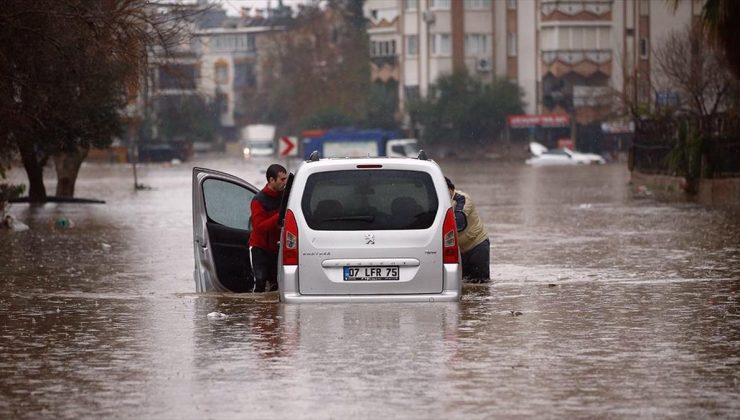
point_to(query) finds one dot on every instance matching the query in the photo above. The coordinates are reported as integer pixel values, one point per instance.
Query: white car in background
(542, 156)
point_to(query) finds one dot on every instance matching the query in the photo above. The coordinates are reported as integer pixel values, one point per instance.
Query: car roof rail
(314, 156)
(422, 155)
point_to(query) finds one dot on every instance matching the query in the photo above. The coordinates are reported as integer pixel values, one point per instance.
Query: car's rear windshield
(369, 199)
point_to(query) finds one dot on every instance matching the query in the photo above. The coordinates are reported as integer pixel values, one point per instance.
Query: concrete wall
(721, 192)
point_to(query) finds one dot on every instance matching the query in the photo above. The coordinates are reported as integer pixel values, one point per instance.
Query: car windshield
(370, 200)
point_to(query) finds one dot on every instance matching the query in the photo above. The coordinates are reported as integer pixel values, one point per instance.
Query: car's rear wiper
(359, 218)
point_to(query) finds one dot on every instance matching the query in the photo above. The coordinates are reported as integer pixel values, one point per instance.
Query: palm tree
(721, 19)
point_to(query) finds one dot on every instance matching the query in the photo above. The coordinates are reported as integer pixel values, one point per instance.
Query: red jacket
(265, 231)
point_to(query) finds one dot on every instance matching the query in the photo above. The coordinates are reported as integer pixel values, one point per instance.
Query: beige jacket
(474, 233)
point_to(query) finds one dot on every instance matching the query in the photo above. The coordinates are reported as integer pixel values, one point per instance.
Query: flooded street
(602, 304)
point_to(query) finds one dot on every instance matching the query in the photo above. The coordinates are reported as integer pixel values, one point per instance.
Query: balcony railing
(577, 56)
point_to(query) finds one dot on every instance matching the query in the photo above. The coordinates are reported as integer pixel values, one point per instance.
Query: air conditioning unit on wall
(428, 16)
(483, 65)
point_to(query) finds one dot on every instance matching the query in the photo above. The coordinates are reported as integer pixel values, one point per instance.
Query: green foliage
(382, 105)
(721, 19)
(324, 64)
(66, 67)
(329, 117)
(684, 159)
(462, 108)
(189, 118)
(9, 192)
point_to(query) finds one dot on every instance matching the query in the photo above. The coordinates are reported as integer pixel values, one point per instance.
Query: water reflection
(601, 302)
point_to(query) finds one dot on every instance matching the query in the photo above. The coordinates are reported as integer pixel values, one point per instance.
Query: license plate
(370, 273)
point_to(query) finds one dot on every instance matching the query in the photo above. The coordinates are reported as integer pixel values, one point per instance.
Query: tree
(462, 108)
(326, 118)
(189, 117)
(697, 70)
(382, 105)
(66, 67)
(321, 62)
(720, 20)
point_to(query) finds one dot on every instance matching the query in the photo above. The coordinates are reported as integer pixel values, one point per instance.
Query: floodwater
(603, 304)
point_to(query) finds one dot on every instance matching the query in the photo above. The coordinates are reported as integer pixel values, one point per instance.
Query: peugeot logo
(369, 239)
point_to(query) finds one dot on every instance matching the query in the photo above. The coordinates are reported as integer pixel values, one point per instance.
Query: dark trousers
(264, 268)
(475, 263)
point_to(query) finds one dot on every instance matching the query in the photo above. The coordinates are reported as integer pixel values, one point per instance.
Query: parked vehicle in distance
(368, 230)
(258, 140)
(164, 152)
(357, 143)
(542, 156)
(353, 230)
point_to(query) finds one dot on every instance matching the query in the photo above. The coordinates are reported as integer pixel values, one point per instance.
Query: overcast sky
(233, 6)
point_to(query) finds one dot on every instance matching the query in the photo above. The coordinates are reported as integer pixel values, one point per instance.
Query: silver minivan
(372, 229)
(369, 229)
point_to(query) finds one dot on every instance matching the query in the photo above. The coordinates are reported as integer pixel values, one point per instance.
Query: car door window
(227, 203)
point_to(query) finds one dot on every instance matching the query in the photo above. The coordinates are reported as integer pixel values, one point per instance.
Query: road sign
(288, 146)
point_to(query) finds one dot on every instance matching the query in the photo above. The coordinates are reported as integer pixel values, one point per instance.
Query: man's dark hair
(450, 185)
(273, 171)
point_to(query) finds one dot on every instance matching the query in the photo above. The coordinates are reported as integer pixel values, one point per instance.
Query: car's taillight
(290, 239)
(450, 252)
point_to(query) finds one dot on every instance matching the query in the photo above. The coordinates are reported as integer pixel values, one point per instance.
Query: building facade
(224, 60)
(572, 56)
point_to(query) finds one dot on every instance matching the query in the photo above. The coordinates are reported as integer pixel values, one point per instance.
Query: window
(221, 72)
(410, 4)
(369, 200)
(177, 76)
(644, 7)
(441, 44)
(477, 4)
(440, 4)
(578, 38)
(511, 4)
(411, 92)
(511, 48)
(644, 48)
(412, 45)
(227, 203)
(383, 48)
(244, 75)
(476, 44)
(233, 42)
(222, 102)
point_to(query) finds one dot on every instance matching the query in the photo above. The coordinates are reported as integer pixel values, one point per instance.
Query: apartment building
(232, 69)
(225, 59)
(569, 56)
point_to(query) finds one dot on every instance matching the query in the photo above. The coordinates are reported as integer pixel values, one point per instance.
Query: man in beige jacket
(475, 248)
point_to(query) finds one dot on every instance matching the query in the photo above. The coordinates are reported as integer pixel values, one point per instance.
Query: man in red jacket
(263, 241)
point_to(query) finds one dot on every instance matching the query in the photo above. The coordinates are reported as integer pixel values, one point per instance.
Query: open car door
(221, 229)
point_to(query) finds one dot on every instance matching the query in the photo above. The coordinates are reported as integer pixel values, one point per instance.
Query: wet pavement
(603, 304)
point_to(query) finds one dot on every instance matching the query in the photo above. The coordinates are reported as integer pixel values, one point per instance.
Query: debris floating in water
(61, 222)
(13, 224)
(216, 315)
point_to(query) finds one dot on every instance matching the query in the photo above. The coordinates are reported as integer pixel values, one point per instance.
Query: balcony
(583, 62)
(576, 10)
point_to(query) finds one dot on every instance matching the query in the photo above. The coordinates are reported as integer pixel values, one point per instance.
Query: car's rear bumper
(449, 296)
(288, 284)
